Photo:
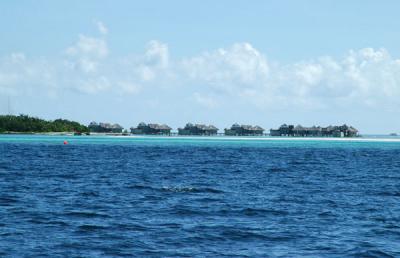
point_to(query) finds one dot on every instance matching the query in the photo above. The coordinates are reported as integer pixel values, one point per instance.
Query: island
(28, 124)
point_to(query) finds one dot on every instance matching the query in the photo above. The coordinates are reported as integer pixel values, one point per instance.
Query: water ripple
(154, 199)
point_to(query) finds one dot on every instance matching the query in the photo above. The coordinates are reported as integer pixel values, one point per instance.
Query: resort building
(153, 129)
(105, 128)
(197, 129)
(244, 130)
(315, 131)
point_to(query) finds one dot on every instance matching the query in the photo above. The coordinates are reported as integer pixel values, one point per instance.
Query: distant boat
(77, 133)
(393, 134)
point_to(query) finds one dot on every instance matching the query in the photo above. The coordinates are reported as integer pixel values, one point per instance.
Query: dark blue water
(205, 200)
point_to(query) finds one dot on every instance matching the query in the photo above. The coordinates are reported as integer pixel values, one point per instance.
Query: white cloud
(102, 28)
(146, 73)
(17, 58)
(86, 54)
(229, 69)
(157, 54)
(361, 78)
(89, 47)
(21, 75)
(310, 74)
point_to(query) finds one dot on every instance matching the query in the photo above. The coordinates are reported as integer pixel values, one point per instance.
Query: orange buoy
(65, 142)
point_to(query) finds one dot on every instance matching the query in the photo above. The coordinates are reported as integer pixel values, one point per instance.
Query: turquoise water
(378, 142)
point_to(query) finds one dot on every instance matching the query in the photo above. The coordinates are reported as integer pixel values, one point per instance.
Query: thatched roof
(258, 128)
(299, 128)
(203, 127)
(159, 127)
(143, 125)
(117, 126)
(246, 127)
(352, 129)
(330, 128)
(105, 125)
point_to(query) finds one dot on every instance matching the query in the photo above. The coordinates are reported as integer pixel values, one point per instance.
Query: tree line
(28, 124)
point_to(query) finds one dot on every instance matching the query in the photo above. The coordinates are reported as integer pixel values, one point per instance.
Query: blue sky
(220, 62)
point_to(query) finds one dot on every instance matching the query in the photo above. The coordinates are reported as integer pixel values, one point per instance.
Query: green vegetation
(27, 124)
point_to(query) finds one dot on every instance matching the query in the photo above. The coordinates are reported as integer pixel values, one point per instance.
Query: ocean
(198, 197)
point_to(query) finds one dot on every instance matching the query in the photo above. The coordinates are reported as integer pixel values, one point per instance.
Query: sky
(215, 62)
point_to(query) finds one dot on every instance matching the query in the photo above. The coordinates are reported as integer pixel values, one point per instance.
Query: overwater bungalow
(151, 129)
(105, 128)
(244, 130)
(198, 129)
(315, 131)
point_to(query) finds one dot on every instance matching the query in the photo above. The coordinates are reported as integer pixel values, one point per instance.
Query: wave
(191, 190)
(89, 227)
(85, 214)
